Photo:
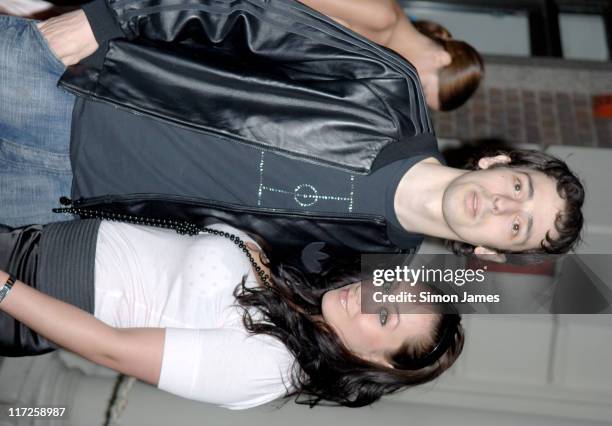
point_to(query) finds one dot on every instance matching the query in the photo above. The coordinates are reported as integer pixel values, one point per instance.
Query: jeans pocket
(32, 158)
(49, 55)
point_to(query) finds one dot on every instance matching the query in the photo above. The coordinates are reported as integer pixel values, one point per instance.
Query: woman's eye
(517, 187)
(515, 228)
(383, 315)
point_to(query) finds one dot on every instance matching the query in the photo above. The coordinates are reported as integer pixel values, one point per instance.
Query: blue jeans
(35, 119)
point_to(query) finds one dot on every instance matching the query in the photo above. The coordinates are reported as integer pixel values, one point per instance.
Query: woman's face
(370, 336)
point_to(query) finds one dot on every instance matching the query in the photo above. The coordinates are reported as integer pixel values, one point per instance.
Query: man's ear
(486, 162)
(490, 255)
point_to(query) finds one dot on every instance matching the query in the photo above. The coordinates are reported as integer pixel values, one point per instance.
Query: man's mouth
(473, 203)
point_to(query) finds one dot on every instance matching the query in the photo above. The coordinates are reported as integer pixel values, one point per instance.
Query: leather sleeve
(273, 73)
(278, 31)
(283, 32)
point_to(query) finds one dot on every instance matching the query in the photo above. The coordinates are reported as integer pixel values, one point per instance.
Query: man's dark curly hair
(568, 223)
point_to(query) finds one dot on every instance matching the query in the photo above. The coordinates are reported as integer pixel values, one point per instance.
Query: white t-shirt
(150, 277)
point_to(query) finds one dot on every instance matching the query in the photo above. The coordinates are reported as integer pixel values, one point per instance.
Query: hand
(69, 36)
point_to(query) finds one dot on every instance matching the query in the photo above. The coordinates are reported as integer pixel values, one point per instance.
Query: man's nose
(502, 204)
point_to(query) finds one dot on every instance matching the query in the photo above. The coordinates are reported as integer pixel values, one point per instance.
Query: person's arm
(255, 29)
(298, 63)
(136, 351)
(76, 35)
(225, 366)
(364, 15)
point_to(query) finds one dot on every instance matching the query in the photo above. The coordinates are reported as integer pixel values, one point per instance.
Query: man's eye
(383, 315)
(517, 187)
(516, 228)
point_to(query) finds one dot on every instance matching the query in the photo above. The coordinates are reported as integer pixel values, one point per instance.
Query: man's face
(502, 208)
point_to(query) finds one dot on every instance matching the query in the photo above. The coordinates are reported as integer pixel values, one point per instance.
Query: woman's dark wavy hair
(325, 372)
(567, 223)
(458, 80)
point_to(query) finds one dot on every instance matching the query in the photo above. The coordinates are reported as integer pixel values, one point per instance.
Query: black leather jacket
(271, 73)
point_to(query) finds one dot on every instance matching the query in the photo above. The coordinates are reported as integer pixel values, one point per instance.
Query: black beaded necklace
(181, 227)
